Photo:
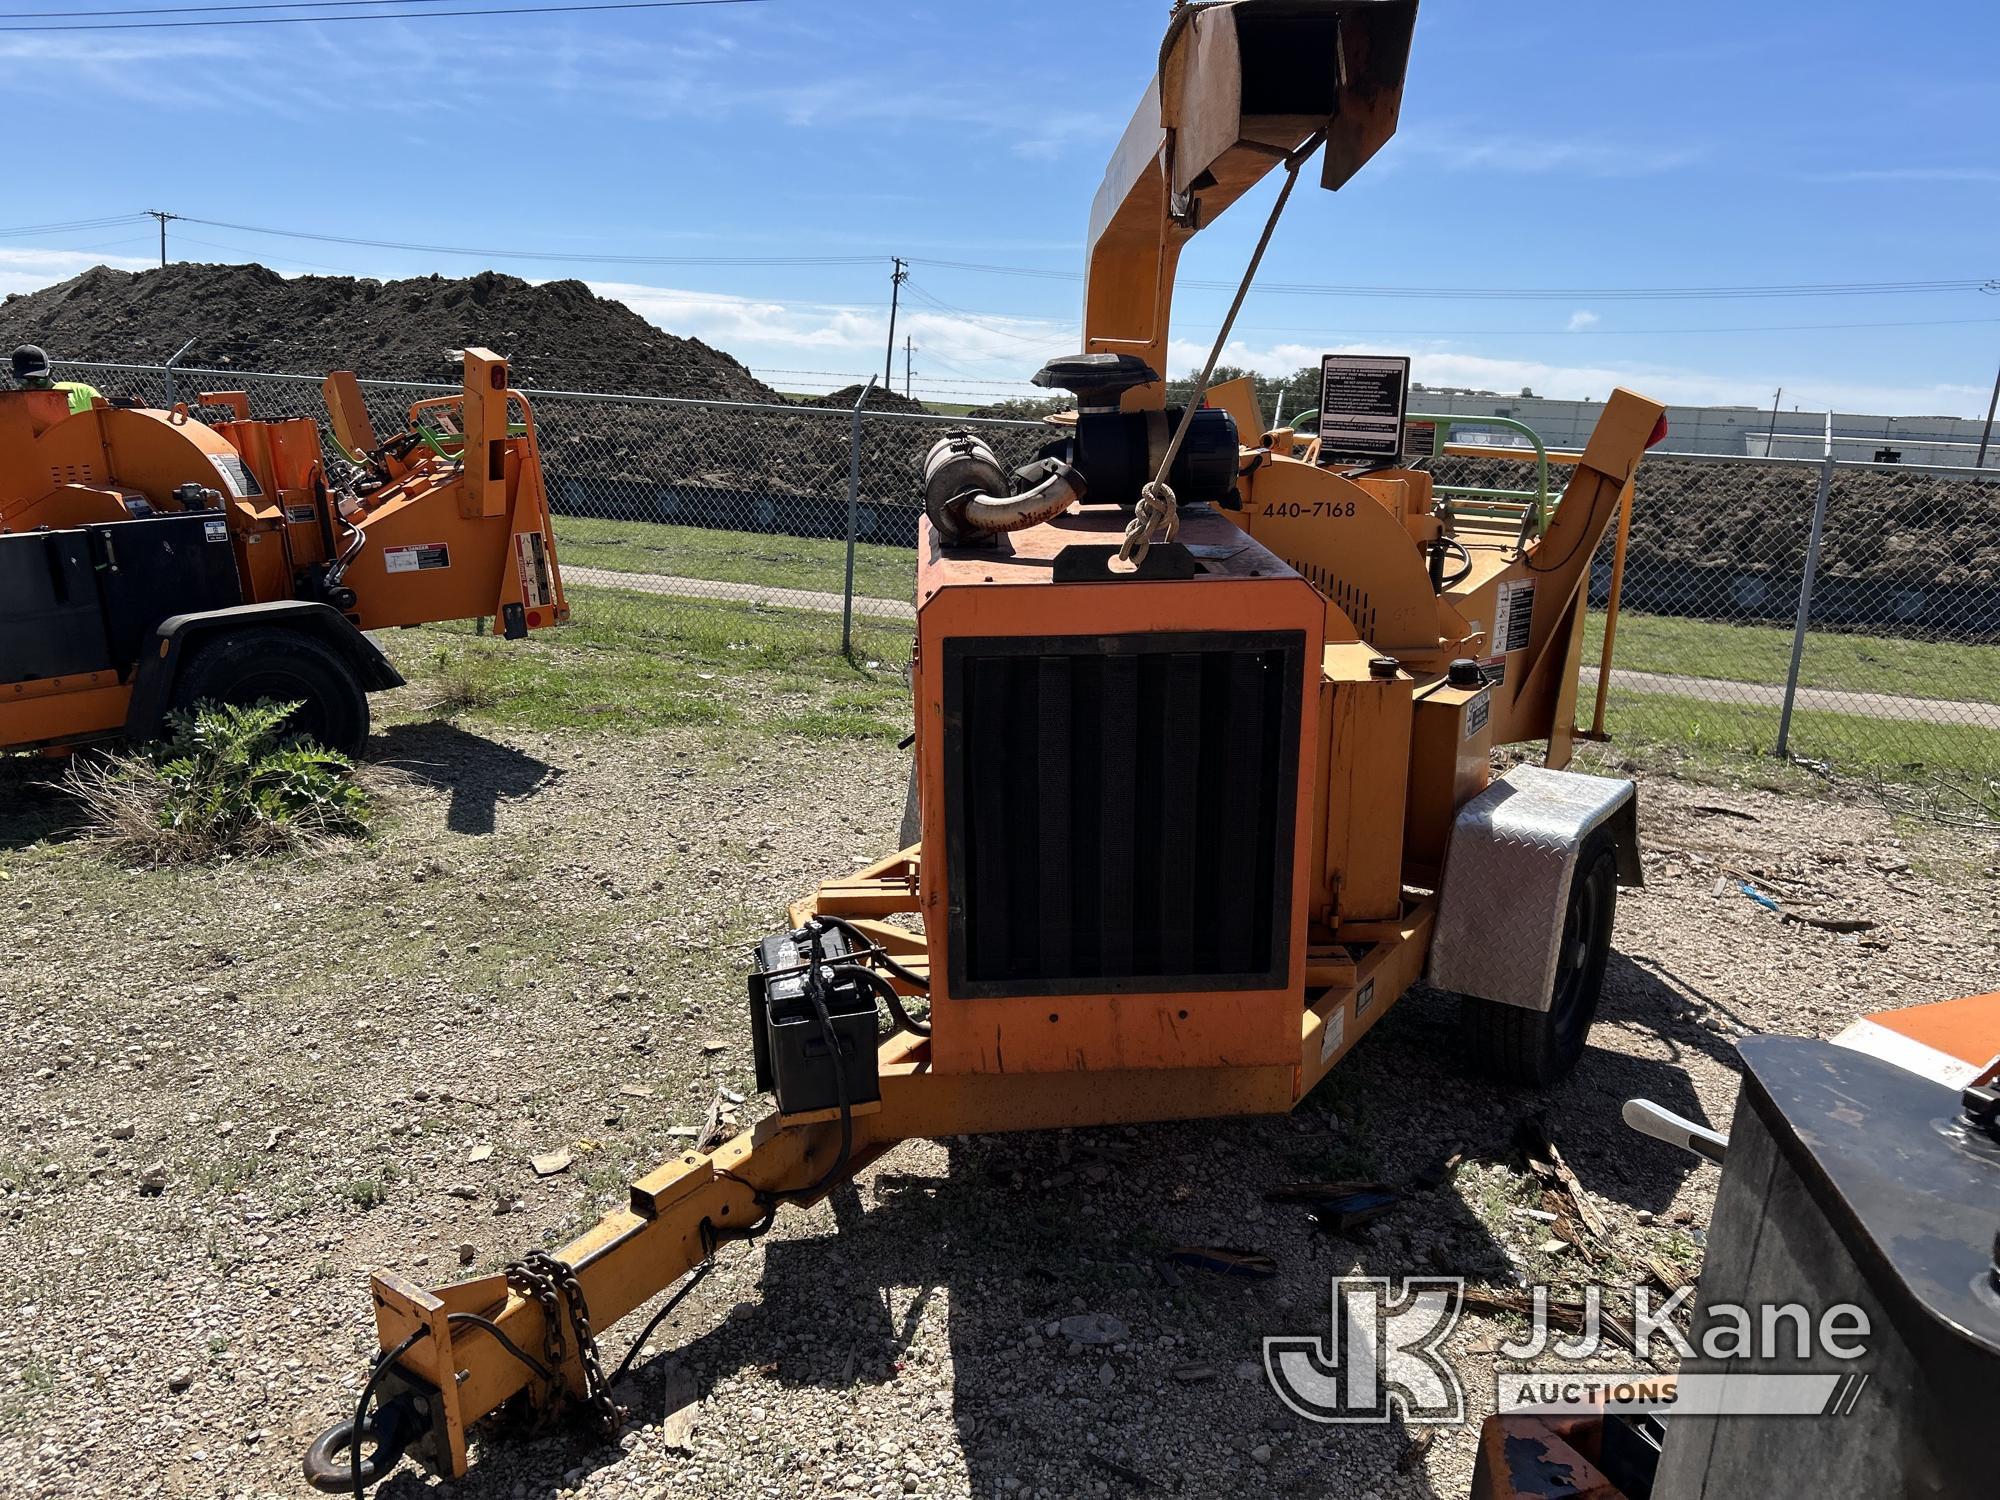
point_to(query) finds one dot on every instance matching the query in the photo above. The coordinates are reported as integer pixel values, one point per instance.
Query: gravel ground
(309, 1052)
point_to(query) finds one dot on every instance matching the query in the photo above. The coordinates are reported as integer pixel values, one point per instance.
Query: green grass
(791, 562)
(635, 662)
(1763, 653)
(1735, 741)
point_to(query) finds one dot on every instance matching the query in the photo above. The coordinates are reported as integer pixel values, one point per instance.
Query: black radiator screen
(1120, 811)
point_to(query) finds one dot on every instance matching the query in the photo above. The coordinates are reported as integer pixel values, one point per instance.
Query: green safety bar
(450, 445)
(1482, 501)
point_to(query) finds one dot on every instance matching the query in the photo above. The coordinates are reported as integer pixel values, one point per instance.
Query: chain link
(553, 1285)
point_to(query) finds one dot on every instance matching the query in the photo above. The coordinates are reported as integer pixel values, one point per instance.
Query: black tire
(272, 664)
(1540, 1047)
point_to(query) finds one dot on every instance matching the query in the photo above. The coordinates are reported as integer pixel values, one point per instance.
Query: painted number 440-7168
(1331, 510)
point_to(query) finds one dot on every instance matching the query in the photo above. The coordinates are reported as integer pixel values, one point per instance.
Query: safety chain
(549, 1281)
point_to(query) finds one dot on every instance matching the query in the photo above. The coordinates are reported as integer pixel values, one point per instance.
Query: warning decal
(1362, 400)
(237, 479)
(215, 531)
(1495, 670)
(1336, 1033)
(1363, 998)
(532, 557)
(1514, 616)
(1477, 712)
(420, 557)
(301, 515)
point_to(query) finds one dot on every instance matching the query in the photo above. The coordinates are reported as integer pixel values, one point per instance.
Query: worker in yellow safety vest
(31, 372)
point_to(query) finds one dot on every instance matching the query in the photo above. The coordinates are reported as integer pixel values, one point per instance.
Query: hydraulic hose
(889, 994)
(876, 953)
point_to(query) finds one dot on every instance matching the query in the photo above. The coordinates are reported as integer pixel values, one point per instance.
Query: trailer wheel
(271, 664)
(1540, 1047)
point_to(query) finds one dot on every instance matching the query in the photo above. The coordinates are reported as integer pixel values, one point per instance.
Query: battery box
(792, 1057)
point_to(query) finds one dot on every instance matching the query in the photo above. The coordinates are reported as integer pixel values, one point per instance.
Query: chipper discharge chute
(150, 561)
(1202, 761)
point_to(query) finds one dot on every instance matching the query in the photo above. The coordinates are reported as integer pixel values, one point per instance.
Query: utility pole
(154, 213)
(1772, 433)
(1986, 435)
(906, 366)
(896, 280)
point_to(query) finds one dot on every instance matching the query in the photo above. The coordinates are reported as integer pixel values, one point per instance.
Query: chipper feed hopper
(150, 561)
(1191, 819)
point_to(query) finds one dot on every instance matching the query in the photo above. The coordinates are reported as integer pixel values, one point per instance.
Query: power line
(1571, 333)
(154, 10)
(1040, 341)
(561, 255)
(1297, 288)
(412, 15)
(73, 226)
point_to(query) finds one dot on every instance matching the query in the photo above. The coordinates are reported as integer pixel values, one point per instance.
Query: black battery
(788, 1043)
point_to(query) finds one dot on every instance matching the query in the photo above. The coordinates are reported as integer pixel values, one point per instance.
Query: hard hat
(30, 362)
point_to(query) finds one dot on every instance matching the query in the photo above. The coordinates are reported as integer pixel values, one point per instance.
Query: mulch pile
(879, 399)
(1713, 537)
(1899, 529)
(559, 334)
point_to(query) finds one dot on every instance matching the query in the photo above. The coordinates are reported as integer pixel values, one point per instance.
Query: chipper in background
(150, 561)
(1192, 819)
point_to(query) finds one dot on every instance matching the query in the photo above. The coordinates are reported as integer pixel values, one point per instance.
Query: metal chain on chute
(554, 1287)
(1157, 515)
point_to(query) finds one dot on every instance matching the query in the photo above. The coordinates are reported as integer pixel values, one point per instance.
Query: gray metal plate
(1506, 881)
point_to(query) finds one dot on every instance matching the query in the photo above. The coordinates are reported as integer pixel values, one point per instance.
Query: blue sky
(1548, 145)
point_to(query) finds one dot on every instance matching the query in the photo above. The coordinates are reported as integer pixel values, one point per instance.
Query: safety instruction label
(1495, 668)
(532, 557)
(1363, 998)
(1477, 712)
(236, 478)
(1514, 616)
(301, 515)
(1336, 1033)
(216, 530)
(419, 557)
(1362, 402)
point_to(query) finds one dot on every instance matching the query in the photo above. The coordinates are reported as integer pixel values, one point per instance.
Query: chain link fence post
(853, 508)
(1782, 749)
(173, 387)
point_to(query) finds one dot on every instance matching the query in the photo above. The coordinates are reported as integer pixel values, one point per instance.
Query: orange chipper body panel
(447, 523)
(1002, 645)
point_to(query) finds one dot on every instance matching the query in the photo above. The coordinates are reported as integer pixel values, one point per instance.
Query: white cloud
(28, 270)
(1910, 174)
(989, 354)
(1583, 317)
(1469, 147)
(1442, 365)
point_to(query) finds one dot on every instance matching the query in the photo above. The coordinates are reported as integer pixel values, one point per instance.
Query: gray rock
(1095, 1329)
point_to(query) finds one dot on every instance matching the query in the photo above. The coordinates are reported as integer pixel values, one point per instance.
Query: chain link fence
(723, 524)
(1845, 616)
(1842, 614)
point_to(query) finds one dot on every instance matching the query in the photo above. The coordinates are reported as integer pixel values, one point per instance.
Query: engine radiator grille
(1120, 811)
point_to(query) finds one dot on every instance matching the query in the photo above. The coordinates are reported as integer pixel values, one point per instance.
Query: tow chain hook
(330, 1462)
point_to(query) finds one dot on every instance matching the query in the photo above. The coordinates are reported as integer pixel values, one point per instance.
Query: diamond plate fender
(1507, 872)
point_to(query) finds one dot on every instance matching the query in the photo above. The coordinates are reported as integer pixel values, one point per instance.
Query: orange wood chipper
(1204, 722)
(150, 561)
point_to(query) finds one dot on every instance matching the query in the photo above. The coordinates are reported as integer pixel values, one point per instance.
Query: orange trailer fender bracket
(177, 636)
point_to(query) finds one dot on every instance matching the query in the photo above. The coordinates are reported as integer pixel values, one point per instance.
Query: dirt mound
(879, 399)
(1903, 551)
(559, 334)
